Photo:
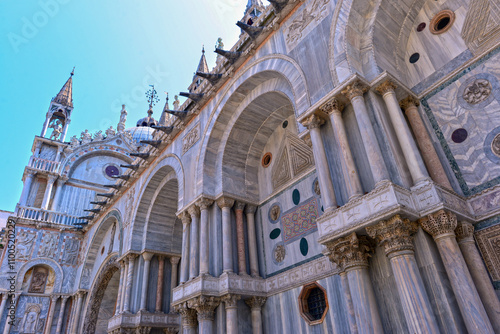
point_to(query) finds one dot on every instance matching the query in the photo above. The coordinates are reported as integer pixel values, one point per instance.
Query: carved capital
(122, 263)
(54, 298)
(409, 102)
(441, 223)
(355, 89)
(204, 203)
(185, 217)
(170, 330)
(256, 302)
(394, 234)
(147, 256)
(204, 306)
(193, 211)
(51, 178)
(465, 232)
(174, 260)
(351, 251)
(230, 300)
(225, 202)
(386, 87)
(313, 122)
(250, 209)
(188, 315)
(239, 205)
(131, 257)
(332, 106)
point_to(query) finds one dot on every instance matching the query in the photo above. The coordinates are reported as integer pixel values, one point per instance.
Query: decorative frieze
(394, 234)
(191, 138)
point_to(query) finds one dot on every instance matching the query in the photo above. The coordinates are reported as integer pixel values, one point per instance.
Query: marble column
(130, 281)
(256, 304)
(240, 235)
(333, 108)
(194, 253)
(313, 123)
(76, 319)
(57, 196)
(159, 284)
(45, 125)
(5, 296)
(354, 93)
(145, 280)
(188, 318)
(424, 141)
(396, 236)
(48, 191)
(205, 307)
(344, 282)
(28, 180)
(124, 286)
(174, 261)
(61, 314)
(252, 240)
(408, 146)
(231, 302)
(118, 308)
(351, 254)
(50, 315)
(225, 203)
(186, 222)
(474, 261)
(65, 130)
(204, 204)
(441, 225)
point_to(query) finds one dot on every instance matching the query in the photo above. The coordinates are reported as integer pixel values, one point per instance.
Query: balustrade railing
(47, 216)
(43, 164)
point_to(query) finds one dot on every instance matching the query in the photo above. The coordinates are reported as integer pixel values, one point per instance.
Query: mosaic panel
(300, 221)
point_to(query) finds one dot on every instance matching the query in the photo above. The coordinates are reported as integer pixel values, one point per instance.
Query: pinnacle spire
(164, 114)
(203, 66)
(65, 95)
(252, 3)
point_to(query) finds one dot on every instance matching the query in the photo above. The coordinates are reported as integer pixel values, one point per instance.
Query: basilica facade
(337, 171)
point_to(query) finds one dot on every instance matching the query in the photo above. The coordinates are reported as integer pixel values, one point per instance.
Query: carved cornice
(230, 300)
(441, 223)
(332, 106)
(351, 251)
(256, 302)
(386, 87)
(188, 315)
(394, 234)
(465, 232)
(225, 202)
(204, 306)
(204, 203)
(313, 122)
(409, 102)
(355, 89)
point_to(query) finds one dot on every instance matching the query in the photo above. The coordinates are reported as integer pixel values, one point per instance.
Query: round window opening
(266, 159)
(313, 303)
(442, 22)
(111, 170)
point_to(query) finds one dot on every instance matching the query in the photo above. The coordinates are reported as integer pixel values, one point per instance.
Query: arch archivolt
(41, 261)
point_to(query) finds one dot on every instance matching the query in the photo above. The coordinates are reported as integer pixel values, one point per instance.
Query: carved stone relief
(112, 241)
(477, 91)
(279, 253)
(70, 251)
(495, 145)
(38, 280)
(49, 245)
(30, 319)
(190, 138)
(24, 244)
(488, 241)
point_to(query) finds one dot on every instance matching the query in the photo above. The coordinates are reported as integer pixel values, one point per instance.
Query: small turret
(203, 68)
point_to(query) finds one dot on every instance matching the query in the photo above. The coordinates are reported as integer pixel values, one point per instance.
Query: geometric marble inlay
(300, 221)
(488, 241)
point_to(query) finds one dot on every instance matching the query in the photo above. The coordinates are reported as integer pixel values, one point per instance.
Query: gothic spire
(203, 66)
(252, 3)
(164, 114)
(65, 95)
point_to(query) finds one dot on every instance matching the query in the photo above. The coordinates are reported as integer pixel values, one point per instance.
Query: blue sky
(118, 48)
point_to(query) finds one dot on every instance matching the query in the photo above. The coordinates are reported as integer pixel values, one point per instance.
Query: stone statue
(74, 142)
(219, 44)
(110, 132)
(86, 137)
(98, 136)
(57, 130)
(30, 323)
(123, 118)
(176, 102)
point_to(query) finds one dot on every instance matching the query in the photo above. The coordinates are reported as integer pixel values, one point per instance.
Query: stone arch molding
(41, 261)
(271, 73)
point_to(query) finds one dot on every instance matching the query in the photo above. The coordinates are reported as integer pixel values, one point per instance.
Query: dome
(141, 133)
(147, 121)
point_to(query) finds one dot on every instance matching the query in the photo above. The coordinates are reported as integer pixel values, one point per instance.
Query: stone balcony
(386, 201)
(44, 165)
(144, 319)
(47, 216)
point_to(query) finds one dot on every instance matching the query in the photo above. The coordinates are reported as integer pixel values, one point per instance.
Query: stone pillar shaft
(174, 261)
(124, 287)
(5, 296)
(231, 302)
(194, 242)
(353, 328)
(240, 235)
(118, 308)
(227, 240)
(252, 240)
(130, 281)
(57, 196)
(159, 284)
(48, 192)
(474, 261)
(45, 126)
(441, 226)
(76, 319)
(145, 279)
(204, 236)
(256, 304)
(50, 316)
(405, 138)
(61, 314)
(65, 130)
(26, 188)
(378, 168)
(186, 221)
(424, 141)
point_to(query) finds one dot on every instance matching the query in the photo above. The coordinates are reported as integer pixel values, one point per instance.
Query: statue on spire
(123, 118)
(56, 125)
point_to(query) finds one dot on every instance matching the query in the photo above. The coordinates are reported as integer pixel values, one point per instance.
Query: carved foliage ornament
(439, 223)
(279, 253)
(190, 138)
(394, 234)
(205, 306)
(477, 91)
(188, 315)
(350, 251)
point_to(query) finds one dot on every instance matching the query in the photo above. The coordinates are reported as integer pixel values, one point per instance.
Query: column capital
(174, 260)
(230, 300)
(123, 263)
(394, 234)
(256, 302)
(185, 217)
(193, 211)
(51, 178)
(351, 251)
(313, 122)
(238, 205)
(147, 256)
(386, 87)
(439, 224)
(204, 203)
(249, 208)
(464, 231)
(332, 106)
(131, 257)
(188, 315)
(54, 298)
(225, 202)
(170, 330)
(204, 306)
(409, 102)
(355, 89)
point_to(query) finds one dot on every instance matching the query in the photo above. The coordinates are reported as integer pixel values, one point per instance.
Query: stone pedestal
(231, 302)
(225, 204)
(255, 304)
(395, 235)
(441, 225)
(252, 240)
(194, 242)
(204, 204)
(465, 233)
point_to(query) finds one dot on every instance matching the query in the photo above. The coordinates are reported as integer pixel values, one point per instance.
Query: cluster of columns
(334, 107)
(127, 264)
(198, 313)
(195, 238)
(395, 235)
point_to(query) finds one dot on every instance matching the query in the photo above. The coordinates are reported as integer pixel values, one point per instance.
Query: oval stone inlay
(459, 135)
(296, 196)
(275, 233)
(304, 246)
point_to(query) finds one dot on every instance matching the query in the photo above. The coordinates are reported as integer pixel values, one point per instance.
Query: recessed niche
(442, 22)
(266, 159)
